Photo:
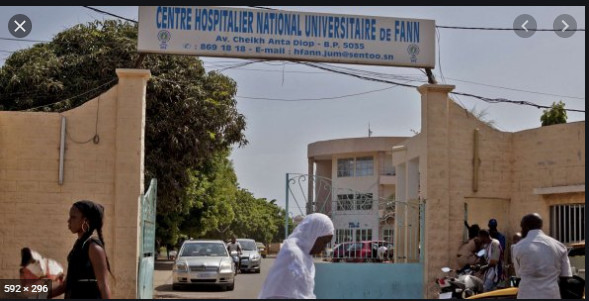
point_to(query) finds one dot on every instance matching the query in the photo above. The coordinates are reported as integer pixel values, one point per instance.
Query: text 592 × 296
(34, 288)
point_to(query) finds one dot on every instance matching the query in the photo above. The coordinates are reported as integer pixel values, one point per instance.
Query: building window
(355, 167)
(364, 166)
(363, 234)
(343, 235)
(567, 222)
(364, 201)
(388, 235)
(345, 202)
(352, 201)
(345, 167)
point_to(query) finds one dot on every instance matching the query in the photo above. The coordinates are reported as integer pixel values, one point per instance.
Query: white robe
(292, 275)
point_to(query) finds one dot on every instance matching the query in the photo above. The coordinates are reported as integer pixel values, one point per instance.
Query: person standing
(501, 238)
(88, 264)
(292, 275)
(514, 240)
(493, 259)
(539, 261)
(495, 233)
(466, 254)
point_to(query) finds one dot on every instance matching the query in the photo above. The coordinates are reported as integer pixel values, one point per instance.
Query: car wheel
(231, 286)
(258, 270)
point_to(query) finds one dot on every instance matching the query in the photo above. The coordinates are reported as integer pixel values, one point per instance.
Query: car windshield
(248, 245)
(204, 249)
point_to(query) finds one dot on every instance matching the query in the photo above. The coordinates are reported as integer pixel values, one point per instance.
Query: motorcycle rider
(235, 246)
(493, 259)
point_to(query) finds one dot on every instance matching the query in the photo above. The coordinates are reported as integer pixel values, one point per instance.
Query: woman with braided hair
(88, 265)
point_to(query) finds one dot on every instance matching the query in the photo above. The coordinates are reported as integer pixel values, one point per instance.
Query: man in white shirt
(539, 261)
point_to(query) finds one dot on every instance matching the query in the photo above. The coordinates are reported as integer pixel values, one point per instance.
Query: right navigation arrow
(565, 25)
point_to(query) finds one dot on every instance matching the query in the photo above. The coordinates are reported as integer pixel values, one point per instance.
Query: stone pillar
(435, 182)
(129, 141)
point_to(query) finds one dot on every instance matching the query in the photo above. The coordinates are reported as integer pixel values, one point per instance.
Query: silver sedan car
(204, 262)
(250, 259)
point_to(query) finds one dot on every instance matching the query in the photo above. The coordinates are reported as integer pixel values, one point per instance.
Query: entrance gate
(352, 269)
(147, 255)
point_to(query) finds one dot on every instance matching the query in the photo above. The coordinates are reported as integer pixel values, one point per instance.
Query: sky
(543, 69)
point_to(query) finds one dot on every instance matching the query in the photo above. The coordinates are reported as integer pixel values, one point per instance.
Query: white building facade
(353, 180)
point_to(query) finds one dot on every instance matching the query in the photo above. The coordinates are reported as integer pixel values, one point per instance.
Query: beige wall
(550, 156)
(511, 166)
(34, 208)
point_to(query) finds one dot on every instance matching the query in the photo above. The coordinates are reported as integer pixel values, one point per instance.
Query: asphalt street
(247, 285)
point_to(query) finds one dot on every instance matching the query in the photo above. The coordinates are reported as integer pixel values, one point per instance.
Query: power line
(384, 75)
(497, 28)
(67, 99)
(110, 14)
(321, 98)
(485, 99)
(23, 40)
(514, 89)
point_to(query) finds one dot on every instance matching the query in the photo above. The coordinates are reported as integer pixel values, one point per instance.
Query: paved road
(247, 285)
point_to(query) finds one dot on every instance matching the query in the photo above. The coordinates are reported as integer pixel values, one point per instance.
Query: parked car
(203, 262)
(250, 259)
(340, 251)
(262, 249)
(362, 251)
(577, 258)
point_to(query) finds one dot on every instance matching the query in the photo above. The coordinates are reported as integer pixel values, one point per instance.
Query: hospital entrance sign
(286, 35)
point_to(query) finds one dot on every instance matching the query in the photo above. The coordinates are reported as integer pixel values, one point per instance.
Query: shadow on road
(161, 265)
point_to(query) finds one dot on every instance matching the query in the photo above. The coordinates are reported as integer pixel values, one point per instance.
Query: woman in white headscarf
(292, 275)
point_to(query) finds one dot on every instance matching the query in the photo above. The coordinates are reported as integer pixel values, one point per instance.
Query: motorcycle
(465, 284)
(236, 261)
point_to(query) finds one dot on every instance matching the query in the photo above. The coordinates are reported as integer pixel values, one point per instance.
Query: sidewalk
(162, 277)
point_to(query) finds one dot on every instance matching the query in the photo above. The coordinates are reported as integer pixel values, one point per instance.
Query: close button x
(19, 26)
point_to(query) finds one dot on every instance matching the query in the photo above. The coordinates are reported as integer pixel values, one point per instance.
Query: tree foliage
(191, 115)
(555, 115)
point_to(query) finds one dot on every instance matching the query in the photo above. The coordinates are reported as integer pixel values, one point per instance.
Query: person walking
(539, 261)
(292, 275)
(88, 264)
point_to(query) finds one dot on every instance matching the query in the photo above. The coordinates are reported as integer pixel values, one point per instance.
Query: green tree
(211, 195)
(555, 115)
(191, 115)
